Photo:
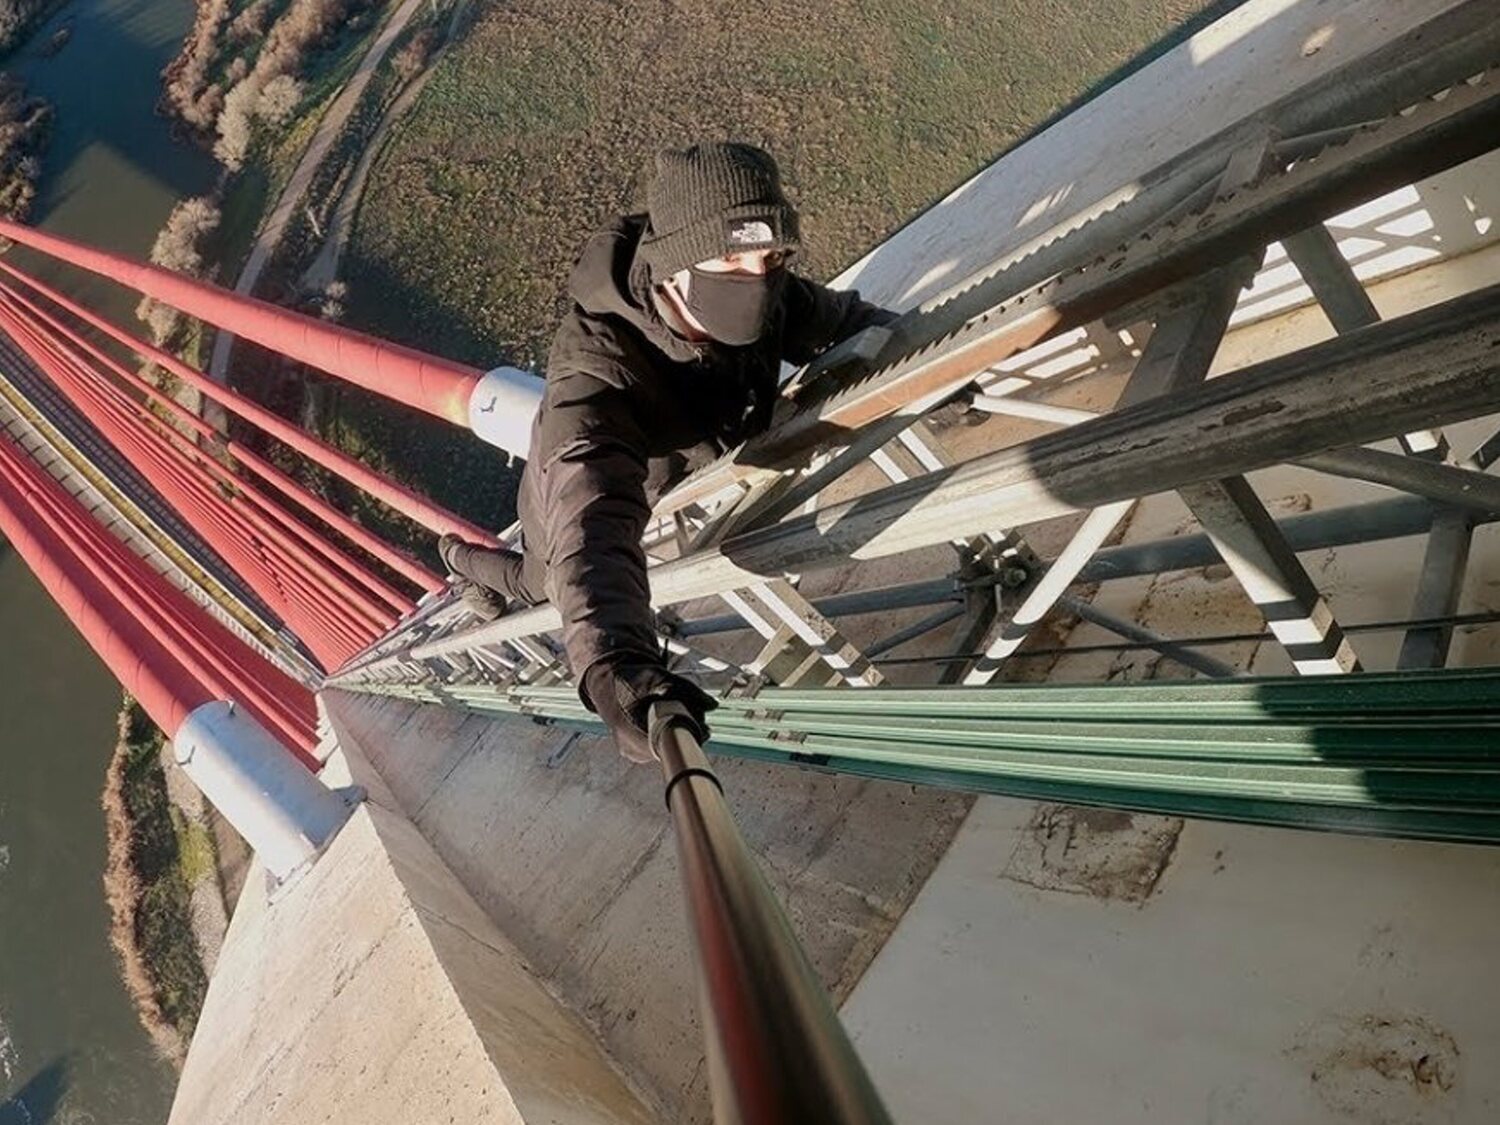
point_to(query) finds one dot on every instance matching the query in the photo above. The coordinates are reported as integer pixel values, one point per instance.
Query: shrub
(332, 304)
(410, 60)
(188, 91)
(25, 128)
(176, 246)
(270, 91)
(250, 24)
(236, 128)
(16, 18)
(305, 23)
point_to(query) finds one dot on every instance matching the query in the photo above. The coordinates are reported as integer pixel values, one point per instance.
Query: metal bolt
(1013, 577)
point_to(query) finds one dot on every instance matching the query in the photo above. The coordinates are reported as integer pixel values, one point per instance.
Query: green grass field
(543, 121)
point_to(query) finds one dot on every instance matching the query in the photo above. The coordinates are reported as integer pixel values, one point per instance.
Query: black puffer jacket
(630, 409)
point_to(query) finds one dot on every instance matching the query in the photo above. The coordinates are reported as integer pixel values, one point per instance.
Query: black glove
(620, 691)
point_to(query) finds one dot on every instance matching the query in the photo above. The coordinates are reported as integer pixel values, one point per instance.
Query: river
(71, 1049)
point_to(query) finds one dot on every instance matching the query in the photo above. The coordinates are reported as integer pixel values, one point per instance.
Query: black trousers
(510, 573)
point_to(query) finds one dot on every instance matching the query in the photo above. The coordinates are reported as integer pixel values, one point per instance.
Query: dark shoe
(481, 601)
(447, 548)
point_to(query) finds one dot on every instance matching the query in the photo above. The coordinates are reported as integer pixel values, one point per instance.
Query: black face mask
(734, 308)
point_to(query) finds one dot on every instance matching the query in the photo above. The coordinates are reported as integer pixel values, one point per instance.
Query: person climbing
(669, 356)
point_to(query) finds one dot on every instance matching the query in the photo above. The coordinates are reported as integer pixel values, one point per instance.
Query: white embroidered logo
(755, 232)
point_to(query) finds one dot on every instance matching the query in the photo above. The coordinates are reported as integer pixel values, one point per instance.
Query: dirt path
(325, 267)
(296, 187)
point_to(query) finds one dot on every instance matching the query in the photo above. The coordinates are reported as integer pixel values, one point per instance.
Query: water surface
(71, 1049)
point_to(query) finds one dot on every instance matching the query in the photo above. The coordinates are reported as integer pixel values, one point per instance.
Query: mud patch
(1102, 853)
(1382, 1069)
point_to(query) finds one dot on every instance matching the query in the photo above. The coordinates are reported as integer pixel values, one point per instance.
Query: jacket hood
(610, 280)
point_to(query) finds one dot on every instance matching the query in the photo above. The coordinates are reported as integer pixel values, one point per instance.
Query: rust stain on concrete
(1381, 1068)
(1291, 504)
(1102, 853)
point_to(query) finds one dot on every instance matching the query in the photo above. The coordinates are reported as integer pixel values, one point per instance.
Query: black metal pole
(777, 1052)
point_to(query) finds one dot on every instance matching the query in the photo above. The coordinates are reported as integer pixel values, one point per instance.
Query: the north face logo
(751, 232)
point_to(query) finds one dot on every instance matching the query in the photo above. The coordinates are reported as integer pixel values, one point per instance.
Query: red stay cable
(167, 690)
(217, 670)
(95, 359)
(292, 538)
(405, 500)
(425, 382)
(271, 584)
(356, 533)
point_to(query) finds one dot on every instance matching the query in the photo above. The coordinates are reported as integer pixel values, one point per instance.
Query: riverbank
(25, 129)
(71, 1045)
(20, 18)
(160, 867)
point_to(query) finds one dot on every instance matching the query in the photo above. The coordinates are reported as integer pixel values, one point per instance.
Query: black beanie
(710, 200)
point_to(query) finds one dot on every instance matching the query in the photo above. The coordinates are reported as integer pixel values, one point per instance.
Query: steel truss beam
(1435, 366)
(1369, 522)
(1451, 485)
(978, 555)
(1348, 307)
(1233, 428)
(1464, 490)
(777, 611)
(1461, 42)
(1439, 588)
(1178, 355)
(1150, 640)
(1440, 585)
(1337, 753)
(1234, 518)
(1435, 135)
(1179, 651)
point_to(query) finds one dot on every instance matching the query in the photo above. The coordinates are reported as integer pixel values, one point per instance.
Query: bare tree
(279, 99)
(178, 247)
(262, 93)
(332, 305)
(188, 91)
(250, 24)
(16, 17)
(236, 128)
(228, 74)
